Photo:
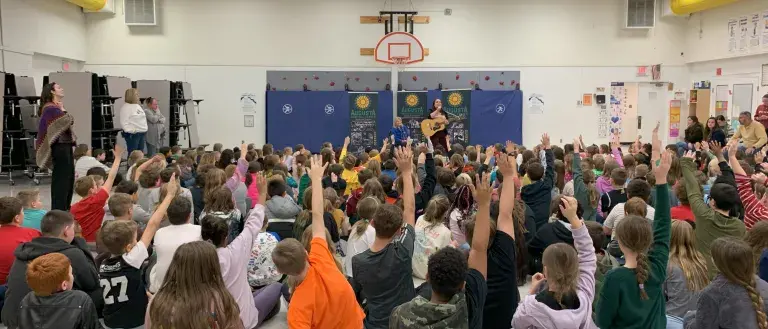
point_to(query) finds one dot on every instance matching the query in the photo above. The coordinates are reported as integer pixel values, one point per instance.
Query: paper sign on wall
(743, 32)
(764, 27)
(674, 118)
(754, 31)
(586, 99)
(248, 102)
(536, 103)
(732, 45)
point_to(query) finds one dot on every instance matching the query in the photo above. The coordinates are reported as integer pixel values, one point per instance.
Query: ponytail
(757, 302)
(642, 273)
(361, 226)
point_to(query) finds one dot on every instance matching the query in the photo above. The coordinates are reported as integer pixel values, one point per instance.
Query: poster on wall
(412, 109)
(362, 121)
(674, 117)
(248, 102)
(743, 32)
(618, 102)
(732, 35)
(603, 122)
(754, 31)
(536, 103)
(764, 28)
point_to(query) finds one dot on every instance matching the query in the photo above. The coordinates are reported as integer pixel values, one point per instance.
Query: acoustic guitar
(431, 126)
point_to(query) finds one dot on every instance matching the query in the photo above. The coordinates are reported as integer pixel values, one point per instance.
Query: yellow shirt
(350, 176)
(752, 135)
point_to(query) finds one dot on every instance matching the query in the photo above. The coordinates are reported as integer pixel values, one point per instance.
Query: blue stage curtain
(384, 117)
(309, 118)
(496, 116)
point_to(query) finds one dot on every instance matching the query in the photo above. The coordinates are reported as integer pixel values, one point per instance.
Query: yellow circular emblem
(412, 100)
(362, 102)
(455, 99)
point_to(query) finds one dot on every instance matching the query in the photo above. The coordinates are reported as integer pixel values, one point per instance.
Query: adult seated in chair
(751, 134)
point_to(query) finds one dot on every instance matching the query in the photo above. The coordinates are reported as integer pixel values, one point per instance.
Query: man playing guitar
(437, 114)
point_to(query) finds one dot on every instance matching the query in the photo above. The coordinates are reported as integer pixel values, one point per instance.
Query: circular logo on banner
(329, 109)
(287, 108)
(362, 102)
(412, 100)
(500, 108)
(455, 99)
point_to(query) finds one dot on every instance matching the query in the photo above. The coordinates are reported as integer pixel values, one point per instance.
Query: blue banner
(496, 116)
(309, 118)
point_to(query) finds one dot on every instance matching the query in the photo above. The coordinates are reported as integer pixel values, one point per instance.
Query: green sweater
(620, 305)
(303, 185)
(710, 224)
(580, 191)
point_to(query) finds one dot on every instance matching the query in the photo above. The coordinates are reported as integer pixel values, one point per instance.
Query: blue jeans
(134, 141)
(681, 148)
(3, 288)
(674, 322)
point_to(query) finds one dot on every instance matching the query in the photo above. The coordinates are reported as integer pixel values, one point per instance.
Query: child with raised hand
(686, 272)
(449, 271)
(383, 274)
(713, 220)
(632, 295)
(323, 298)
(234, 257)
(431, 234)
(193, 294)
(736, 298)
(89, 212)
(125, 295)
(503, 254)
(570, 279)
(754, 211)
(587, 195)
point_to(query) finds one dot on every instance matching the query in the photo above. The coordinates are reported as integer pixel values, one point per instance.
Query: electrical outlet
(448, 11)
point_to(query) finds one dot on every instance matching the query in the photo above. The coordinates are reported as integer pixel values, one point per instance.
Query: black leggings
(62, 176)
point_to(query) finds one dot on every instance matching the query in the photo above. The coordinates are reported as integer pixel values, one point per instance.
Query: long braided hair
(734, 259)
(635, 234)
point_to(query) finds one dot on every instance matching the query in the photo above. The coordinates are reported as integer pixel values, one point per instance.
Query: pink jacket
(533, 314)
(253, 190)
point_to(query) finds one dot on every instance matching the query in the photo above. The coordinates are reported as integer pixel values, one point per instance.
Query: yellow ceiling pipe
(90, 5)
(684, 7)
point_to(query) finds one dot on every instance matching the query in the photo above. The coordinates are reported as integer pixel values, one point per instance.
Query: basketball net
(400, 63)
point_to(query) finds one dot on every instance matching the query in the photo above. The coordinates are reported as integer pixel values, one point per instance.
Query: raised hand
(717, 148)
(404, 160)
(576, 145)
(489, 151)
(118, 151)
(759, 156)
(661, 168)
(317, 169)
(545, 141)
(422, 158)
(172, 187)
(346, 141)
(261, 183)
(656, 129)
(334, 178)
(689, 154)
(705, 146)
(759, 178)
(733, 147)
(510, 146)
(568, 207)
(483, 189)
(536, 281)
(507, 166)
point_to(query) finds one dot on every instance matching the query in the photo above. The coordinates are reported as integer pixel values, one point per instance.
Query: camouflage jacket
(421, 313)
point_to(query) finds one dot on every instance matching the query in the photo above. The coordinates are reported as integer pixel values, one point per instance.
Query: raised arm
(478, 255)
(430, 180)
(147, 164)
(549, 172)
(508, 168)
(659, 254)
(616, 152)
(404, 157)
(172, 187)
(584, 247)
(579, 188)
(316, 175)
(118, 153)
(344, 150)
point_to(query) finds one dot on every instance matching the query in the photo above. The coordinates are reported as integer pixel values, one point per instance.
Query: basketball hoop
(400, 62)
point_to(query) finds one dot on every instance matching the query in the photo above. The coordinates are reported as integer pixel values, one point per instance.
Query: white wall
(37, 35)
(707, 32)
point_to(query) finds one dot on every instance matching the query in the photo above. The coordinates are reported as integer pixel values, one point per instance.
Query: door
(652, 107)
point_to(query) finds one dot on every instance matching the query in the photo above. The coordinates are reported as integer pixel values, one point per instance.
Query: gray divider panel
(117, 87)
(160, 90)
(77, 101)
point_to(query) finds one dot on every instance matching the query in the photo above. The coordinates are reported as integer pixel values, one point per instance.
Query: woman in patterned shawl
(54, 143)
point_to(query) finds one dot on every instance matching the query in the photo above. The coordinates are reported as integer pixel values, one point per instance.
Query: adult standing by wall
(437, 113)
(156, 124)
(400, 132)
(54, 143)
(751, 134)
(134, 121)
(761, 114)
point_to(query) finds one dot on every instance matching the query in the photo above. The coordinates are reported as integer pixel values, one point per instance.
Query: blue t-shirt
(33, 217)
(763, 266)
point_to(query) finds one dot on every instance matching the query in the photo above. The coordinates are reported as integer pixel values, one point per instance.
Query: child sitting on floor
(33, 208)
(89, 212)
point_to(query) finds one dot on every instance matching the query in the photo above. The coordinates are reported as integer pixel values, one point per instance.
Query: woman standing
(156, 124)
(54, 143)
(437, 113)
(134, 121)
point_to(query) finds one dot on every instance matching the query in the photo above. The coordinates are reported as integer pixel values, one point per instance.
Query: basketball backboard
(397, 47)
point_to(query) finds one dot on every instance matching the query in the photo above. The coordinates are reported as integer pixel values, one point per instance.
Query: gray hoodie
(281, 207)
